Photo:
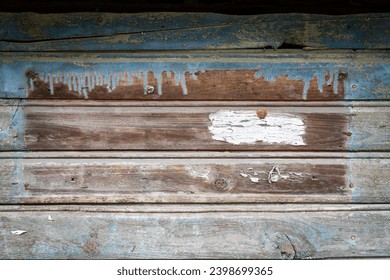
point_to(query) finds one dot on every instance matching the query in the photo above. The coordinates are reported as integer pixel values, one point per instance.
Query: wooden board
(172, 31)
(194, 180)
(222, 235)
(223, 75)
(225, 128)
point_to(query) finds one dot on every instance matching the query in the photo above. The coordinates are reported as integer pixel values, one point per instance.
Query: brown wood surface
(157, 129)
(81, 125)
(202, 85)
(188, 129)
(195, 180)
(244, 235)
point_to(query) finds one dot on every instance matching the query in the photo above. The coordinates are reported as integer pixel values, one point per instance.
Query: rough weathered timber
(260, 235)
(194, 180)
(198, 208)
(272, 75)
(172, 31)
(192, 128)
(73, 128)
(94, 126)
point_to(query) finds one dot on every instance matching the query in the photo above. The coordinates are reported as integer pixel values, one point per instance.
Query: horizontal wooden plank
(35, 128)
(245, 76)
(169, 31)
(197, 208)
(212, 180)
(182, 104)
(186, 154)
(302, 235)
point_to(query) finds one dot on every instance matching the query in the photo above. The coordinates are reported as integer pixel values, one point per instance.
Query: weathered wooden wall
(189, 138)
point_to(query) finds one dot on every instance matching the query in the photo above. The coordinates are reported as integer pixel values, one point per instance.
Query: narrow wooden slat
(294, 235)
(170, 31)
(219, 6)
(185, 155)
(197, 208)
(223, 180)
(172, 103)
(247, 76)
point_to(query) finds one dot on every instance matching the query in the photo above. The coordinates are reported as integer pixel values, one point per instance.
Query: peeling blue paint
(364, 82)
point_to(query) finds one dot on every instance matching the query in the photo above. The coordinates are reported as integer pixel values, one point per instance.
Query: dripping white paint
(86, 82)
(245, 127)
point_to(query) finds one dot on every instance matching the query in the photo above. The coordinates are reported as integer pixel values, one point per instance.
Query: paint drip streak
(84, 82)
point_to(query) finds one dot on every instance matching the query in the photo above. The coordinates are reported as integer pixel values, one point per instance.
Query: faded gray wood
(197, 208)
(261, 235)
(194, 180)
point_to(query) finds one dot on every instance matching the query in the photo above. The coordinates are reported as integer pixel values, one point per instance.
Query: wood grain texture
(218, 75)
(119, 128)
(172, 31)
(212, 180)
(89, 126)
(261, 235)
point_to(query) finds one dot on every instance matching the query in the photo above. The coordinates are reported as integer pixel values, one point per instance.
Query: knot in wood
(221, 184)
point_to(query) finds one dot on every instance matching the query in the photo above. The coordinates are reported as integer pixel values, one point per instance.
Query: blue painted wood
(183, 31)
(366, 75)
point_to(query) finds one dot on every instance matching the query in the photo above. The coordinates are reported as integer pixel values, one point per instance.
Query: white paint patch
(245, 127)
(254, 179)
(198, 173)
(18, 232)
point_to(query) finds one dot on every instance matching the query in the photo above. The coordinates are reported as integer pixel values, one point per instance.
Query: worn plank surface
(75, 127)
(245, 235)
(108, 151)
(223, 75)
(211, 180)
(170, 31)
